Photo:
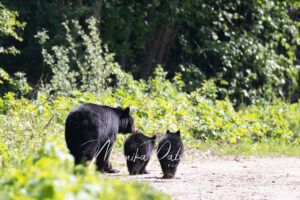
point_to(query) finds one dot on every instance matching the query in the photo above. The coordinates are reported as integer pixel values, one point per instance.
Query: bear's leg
(108, 167)
(82, 154)
(100, 162)
(168, 175)
(140, 167)
(78, 159)
(130, 167)
(100, 166)
(134, 167)
(103, 163)
(143, 170)
(169, 170)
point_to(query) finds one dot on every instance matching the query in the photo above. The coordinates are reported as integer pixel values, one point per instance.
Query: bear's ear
(168, 131)
(126, 111)
(153, 139)
(178, 133)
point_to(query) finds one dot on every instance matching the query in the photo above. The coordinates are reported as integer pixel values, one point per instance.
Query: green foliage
(83, 63)
(17, 83)
(159, 104)
(209, 89)
(36, 163)
(8, 26)
(249, 48)
(244, 51)
(248, 148)
(49, 174)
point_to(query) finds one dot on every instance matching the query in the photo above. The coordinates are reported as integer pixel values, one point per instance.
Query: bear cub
(138, 149)
(169, 153)
(91, 130)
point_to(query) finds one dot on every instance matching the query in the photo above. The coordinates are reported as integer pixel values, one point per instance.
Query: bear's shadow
(143, 177)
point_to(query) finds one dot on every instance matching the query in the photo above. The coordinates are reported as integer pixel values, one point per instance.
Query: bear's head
(152, 139)
(173, 134)
(126, 122)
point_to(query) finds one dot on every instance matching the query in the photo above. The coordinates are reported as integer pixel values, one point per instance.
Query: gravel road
(202, 176)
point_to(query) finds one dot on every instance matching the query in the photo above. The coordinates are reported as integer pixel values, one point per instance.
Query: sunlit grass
(264, 148)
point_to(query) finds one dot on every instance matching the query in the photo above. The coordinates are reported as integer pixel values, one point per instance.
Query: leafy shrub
(257, 71)
(83, 63)
(248, 48)
(36, 163)
(49, 174)
(8, 28)
(17, 83)
(209, 89)
(158, 104)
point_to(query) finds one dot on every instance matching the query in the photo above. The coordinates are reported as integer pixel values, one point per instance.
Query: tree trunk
(159, 47)
(166, 42)
(97, 7)
(78, 2)
(148, 66)
(123, 58)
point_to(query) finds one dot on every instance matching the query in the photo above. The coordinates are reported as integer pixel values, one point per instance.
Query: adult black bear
(138, 149)
(169, 153)
(91, 131)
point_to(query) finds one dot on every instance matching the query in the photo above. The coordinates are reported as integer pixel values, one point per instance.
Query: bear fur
(169, 153)
(138, 149)
(91, 130)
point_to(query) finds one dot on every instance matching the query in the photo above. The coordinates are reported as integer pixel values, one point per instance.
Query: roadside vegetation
(245, 102)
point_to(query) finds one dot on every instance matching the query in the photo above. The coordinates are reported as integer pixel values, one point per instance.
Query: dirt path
(209, 177)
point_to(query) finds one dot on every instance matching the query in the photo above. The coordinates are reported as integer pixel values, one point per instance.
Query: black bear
(91, 131)
(138, 149)
(169, 153)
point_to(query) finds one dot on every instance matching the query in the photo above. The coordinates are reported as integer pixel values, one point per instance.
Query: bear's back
(93, 113)
(138, 142)
(91, 121)
(92, 108)
(170, 144)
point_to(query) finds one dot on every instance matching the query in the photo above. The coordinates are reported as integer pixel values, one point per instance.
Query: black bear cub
(138, 149)
(91, 130)
(169, 153)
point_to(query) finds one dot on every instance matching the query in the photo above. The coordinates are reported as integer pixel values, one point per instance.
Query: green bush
(248, 47)
(36, 163)
(49, 174)
(82, 62)
(17, 83)
(9, 26)
(157, 105)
